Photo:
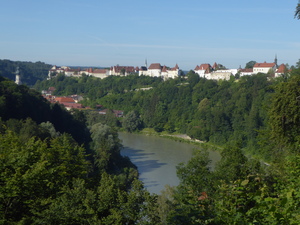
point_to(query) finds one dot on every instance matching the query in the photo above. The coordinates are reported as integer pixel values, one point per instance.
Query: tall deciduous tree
(250, 64)
(297, 12)
(106, 145)
(131, 122)
(284, 114)
(34, 172)
(298, 64)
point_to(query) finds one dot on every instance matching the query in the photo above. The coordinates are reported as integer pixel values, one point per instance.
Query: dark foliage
(20, 102)
(30, 72)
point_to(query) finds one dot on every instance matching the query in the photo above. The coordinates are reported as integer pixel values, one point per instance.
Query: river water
(156, 158)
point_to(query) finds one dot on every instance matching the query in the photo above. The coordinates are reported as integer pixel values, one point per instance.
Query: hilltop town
(204, 70)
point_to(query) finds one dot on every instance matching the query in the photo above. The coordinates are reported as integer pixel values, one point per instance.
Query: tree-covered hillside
(20, 103)
(29, 72)
(208, 110)
(56, 170)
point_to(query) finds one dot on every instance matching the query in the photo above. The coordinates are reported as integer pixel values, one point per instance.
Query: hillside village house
(264, 67)
(69, 103)
(156, 70)
(203, 70)
(213, 73)
(100, 73)
(281, 70)
(222, 74)
(246, 72)
(122, 70)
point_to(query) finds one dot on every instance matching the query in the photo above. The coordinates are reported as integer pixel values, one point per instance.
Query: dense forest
(30, 72)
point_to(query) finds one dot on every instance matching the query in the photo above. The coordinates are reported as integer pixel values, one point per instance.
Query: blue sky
(190, 32)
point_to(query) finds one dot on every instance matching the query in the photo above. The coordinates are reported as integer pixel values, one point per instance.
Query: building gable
(155, 66)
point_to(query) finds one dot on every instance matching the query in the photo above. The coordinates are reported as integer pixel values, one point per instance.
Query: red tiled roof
(64, 99)
(175, 68)
(89, 70)
(248, 70)
(99, 71)
(265, 65)
(128, 69)
(215, 65)
(205, 66)
(155, 66)
(143, 68)
(164, 69)
(281, 69)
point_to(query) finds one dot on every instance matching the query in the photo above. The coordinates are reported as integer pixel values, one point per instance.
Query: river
(156, 158)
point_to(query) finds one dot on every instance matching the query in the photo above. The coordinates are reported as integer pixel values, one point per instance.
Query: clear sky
(126, 32)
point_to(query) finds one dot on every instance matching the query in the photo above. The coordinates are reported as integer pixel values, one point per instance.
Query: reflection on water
(157, 158)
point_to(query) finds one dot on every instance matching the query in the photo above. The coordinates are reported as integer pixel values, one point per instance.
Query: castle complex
(215, 72)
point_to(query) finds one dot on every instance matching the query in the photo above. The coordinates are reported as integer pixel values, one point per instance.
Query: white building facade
(264, 67)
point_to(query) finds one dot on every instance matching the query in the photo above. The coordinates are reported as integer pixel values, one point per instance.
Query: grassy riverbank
(180, 138)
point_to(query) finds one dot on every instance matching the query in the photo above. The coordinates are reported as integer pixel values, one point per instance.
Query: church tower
(18, 78)
(275, 61)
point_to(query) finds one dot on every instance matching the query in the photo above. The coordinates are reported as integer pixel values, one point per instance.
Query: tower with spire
(18, 78)
(275, 61)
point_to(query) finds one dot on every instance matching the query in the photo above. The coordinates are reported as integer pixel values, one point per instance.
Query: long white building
(157, 70)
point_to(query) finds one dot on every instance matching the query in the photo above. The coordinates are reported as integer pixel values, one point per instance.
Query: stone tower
(18, 78)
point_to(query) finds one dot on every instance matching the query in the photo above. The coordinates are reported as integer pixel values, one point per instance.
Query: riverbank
(180, 138)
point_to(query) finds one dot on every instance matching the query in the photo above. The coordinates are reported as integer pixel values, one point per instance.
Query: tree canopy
(250, 64)
(297, 12)
(54, 172)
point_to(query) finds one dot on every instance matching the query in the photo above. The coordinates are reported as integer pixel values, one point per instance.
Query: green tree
(131, 121)
(33, 172)
(106, 145)
(191, 199)
(123, 71)
(76, 204)
(298, 64)
(250, 64)
(48, 126)
(297, 12)
(233, 164)
(284, 117)
(192, 77)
